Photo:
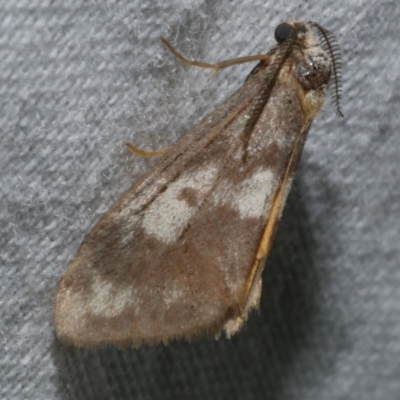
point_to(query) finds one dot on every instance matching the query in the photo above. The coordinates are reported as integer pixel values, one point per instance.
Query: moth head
(316, 64)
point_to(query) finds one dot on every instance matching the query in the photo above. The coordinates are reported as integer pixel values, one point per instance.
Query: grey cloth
(80, 78)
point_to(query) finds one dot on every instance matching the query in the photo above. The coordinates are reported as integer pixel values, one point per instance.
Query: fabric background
(79, 78)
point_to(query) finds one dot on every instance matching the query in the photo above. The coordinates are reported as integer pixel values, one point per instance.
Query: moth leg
(216, 66)
(145, 153)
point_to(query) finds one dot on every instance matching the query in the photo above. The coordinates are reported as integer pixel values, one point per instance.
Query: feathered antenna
(331, 45)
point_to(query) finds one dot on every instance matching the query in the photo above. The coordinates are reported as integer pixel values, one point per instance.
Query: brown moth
(182, 252)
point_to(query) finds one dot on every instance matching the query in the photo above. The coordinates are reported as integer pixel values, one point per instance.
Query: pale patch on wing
(173, 295)
(129, 216)
(252, 194)
(170, 213)
(107, 300)
(73, 309)
(249, 197)
(128, 227)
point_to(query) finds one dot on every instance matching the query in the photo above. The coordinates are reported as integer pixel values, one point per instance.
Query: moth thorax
(313, 70)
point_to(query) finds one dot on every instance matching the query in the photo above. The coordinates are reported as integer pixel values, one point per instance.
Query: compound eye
(283, 31)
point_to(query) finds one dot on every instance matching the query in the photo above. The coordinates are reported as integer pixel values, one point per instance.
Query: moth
(181, 253)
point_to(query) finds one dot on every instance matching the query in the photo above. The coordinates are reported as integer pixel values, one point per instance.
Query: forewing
(180, 254)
